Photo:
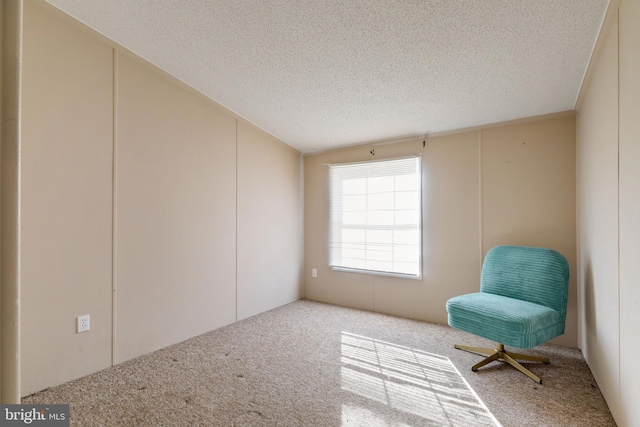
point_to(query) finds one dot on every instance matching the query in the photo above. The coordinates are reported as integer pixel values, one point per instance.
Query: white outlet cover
(83, 323)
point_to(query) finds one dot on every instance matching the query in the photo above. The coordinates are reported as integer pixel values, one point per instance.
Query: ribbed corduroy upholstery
(522, 300)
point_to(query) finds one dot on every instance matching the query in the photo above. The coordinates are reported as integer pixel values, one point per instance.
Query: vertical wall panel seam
(236, 225)
(18, 281)
(618, 237)
(301, 230)
(480, 196)
(578, 233)
(114, 210)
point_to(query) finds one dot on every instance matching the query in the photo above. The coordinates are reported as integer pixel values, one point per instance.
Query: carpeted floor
(313, 364)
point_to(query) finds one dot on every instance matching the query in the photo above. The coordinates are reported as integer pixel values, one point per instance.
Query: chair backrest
(537, 275)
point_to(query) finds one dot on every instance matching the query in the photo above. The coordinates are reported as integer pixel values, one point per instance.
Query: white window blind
(375, 219)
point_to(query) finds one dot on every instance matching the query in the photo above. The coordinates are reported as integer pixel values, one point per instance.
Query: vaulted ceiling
(321, 74)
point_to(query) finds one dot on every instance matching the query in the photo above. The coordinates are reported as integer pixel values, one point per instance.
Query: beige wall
(608, 212)
(510, 184)
(175, 212)
(140, 205)
(529, 194)
(598, 223)
(269, 206)
(629, 133)
(65, 218)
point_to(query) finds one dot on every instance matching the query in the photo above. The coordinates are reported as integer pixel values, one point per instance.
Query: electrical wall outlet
(83, 323)
(314, 272)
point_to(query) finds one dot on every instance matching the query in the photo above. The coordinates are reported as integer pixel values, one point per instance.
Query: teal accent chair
(522, 303)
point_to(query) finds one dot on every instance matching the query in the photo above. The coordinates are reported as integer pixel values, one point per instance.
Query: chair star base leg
(499, 353)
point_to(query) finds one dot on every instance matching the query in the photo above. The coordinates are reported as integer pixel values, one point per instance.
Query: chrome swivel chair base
(499, 353)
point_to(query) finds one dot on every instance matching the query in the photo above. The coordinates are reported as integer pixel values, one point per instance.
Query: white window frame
(338, 174)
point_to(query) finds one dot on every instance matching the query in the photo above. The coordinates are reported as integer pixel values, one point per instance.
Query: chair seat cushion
(509, 321)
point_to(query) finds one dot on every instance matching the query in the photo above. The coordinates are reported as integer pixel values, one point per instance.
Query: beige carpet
(313, 364)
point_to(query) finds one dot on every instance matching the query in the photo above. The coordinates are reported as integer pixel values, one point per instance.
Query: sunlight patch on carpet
(425, 385)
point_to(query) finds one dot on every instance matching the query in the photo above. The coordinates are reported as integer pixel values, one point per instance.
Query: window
(376, 216)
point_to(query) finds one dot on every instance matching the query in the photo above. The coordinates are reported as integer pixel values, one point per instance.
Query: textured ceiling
(320, 74)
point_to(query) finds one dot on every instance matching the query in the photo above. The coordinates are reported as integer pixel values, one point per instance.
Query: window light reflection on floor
(426, 386)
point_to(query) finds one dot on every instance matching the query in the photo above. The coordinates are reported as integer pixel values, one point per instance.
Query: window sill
(377, 273)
